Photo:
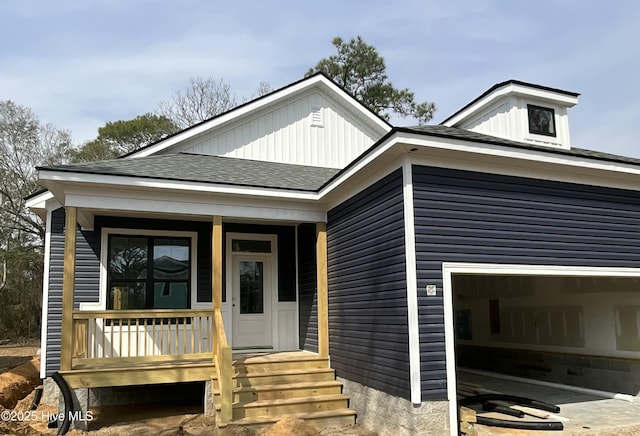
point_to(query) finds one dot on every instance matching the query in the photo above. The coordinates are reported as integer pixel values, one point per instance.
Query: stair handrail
(224, 368)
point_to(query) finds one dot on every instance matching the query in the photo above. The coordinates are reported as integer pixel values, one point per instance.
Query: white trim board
(45, 295)
(450, 268)
(412, 285)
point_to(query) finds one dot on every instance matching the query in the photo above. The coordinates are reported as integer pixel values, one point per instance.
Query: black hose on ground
(36, 399)
(68, 402)
(511, 399)
(520, 425)
(493, 407)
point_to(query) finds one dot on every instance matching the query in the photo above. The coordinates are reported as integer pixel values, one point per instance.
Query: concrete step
(282, 407)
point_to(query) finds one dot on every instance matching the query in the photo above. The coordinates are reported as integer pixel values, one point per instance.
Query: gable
(312, 122)
(311, 129)
(513, 109)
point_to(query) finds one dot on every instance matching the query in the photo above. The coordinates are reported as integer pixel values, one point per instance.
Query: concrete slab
(582, 414)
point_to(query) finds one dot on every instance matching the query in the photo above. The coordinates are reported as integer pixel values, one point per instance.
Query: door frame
(273, 259)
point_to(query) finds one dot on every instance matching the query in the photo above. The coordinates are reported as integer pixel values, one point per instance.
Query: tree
(361, 71)
(263, 88)
(24, 144)
(125, 136)
(200, 100)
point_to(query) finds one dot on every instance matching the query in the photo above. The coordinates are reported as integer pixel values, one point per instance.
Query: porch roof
(209, 169)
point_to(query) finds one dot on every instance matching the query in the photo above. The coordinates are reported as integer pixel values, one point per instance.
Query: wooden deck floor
(138, 372)
(274, 356)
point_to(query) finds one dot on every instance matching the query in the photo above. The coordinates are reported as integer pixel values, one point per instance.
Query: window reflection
(137, 280)
(251, 287)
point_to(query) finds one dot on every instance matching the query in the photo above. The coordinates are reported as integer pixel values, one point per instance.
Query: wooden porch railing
(224, 368)
(141, 335)
(128, 336)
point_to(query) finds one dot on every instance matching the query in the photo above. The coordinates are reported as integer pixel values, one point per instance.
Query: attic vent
(317, 120)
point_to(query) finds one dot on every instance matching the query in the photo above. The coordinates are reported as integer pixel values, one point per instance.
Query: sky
(79, 64)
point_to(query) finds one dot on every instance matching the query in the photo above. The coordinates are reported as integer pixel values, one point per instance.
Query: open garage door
(566, 336)
(574, 326)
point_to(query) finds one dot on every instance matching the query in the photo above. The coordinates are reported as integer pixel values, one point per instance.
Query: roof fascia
(100, 201)
(39, 200)
(559, 97)
(317, 80)
(148, 183)
(407, 142)
(524, 154)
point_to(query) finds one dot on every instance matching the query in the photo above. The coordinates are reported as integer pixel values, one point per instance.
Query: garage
(569, 336)
(579, 327)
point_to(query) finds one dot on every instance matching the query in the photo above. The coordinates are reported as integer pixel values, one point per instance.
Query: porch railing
(142, 335)
(121, 336)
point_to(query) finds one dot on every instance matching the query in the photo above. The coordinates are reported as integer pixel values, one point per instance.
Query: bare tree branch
(200, 100)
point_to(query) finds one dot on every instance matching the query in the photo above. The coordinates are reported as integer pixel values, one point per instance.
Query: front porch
(253, 389)
(125, 347)
(135, 347)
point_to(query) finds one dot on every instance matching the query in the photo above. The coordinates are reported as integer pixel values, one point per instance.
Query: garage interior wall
(582, 331)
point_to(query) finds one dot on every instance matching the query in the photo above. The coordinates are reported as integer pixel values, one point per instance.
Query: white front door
(251, 301)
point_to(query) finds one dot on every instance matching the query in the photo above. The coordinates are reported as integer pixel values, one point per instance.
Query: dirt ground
(19, 375)
(14, 355)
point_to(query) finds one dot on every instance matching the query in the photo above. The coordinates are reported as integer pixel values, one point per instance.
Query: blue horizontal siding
(368, 330)
(465, 216)
(87, 281)
(307, 288)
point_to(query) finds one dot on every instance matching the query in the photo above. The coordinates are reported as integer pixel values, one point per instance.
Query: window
(250, 246)
(541, 120)
(148, 272)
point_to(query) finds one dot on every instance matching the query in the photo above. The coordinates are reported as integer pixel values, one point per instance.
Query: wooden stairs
(269, 387)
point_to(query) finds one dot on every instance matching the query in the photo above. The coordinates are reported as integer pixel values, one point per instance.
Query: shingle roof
(244, 172)
(467, 135)
(209, 169)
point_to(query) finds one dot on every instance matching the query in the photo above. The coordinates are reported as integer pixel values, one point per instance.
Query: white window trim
(450, 268)
(555, 140)
(104, 254)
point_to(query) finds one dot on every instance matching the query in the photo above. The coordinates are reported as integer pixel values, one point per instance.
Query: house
(299, 238)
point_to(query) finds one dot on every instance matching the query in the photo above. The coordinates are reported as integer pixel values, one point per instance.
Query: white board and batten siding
(308, 129)
(508, 119)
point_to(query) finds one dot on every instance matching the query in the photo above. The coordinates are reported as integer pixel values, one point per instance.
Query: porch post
(68, 282)
(322, 297)
(216, 272)
(216, 254)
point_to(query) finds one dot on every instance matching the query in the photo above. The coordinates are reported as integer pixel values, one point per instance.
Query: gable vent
(317, 120)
